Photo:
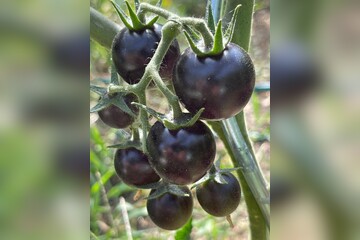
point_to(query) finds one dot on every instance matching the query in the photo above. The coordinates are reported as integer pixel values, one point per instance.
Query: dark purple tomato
(133, 167)
(181, 156)
(133, 50)
(117, 118)
(170, 211)
(221, 84)
(219, 199)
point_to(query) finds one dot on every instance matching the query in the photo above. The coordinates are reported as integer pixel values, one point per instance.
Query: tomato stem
(248, 164)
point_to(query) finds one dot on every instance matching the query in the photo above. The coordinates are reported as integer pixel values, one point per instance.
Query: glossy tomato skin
(133, 50)
(169, 211)
(133, 167)
(181, 156)
(218, 199)
(222, 84)
(117, 118)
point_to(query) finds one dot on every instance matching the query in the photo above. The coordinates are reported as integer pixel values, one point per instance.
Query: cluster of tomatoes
(220, 84)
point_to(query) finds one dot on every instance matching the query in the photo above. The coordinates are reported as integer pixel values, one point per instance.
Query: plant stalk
(249, 167)
(235, 135)
(102, 29)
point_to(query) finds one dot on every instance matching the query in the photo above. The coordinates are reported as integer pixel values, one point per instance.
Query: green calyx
(163, 187)
(134, 23)
(182, 121)
(220, 40)
(215, 173)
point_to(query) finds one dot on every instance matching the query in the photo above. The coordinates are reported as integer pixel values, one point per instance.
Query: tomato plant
(214, 79)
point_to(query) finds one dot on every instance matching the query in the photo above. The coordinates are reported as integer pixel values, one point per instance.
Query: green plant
(231, 131)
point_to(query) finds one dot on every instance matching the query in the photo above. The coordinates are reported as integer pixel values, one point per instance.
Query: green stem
(144, 121)
(235, 136)
(201, 26)
(249, 167)
(198, 24)
(102, 29)
(258, 226)
(145, 7)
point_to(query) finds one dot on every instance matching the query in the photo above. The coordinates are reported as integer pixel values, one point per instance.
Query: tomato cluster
(219, 84)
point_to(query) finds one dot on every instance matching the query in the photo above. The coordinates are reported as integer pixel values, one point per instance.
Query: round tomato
(181, 156)
(132, 51)
(221, 84)
(133, 167)
(219, 199)
(117, 118)
(170, 211)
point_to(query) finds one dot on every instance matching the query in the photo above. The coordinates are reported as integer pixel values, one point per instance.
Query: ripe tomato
(170, 211)
(117, 118)
(132, 51)
(222, 84)
(219, 199)
(133, 167)
(181, 156)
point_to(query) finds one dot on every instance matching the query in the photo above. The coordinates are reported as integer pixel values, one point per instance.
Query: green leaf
(218, 46)
(209, 18)
(103, 103)
(122, 15)
(118, 190)
(114, 75)
(231, 27)
(119, 101)
(184, 232)
(99, 90)
(137, 24)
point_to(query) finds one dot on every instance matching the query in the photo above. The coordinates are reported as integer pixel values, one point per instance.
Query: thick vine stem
(249, 166)
(102, 29)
